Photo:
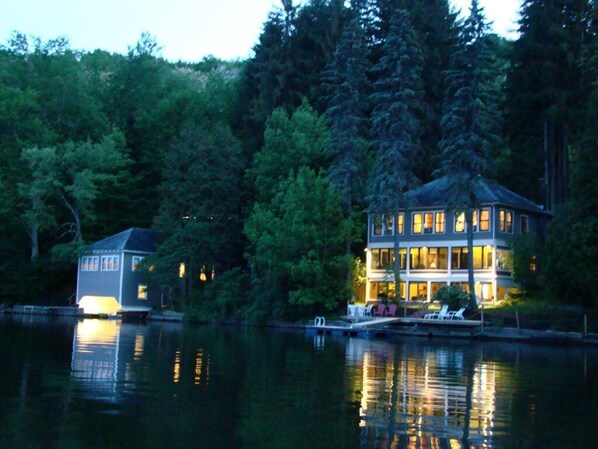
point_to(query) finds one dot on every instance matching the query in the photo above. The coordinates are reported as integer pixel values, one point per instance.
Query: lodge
(433, 243)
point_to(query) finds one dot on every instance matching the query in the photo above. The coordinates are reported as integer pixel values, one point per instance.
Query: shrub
(452, 296)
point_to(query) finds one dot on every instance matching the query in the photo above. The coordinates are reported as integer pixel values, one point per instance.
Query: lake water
(102, 384)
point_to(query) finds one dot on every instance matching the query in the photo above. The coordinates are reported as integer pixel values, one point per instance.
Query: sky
(186, 30)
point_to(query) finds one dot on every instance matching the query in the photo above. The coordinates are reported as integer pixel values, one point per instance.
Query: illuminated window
(523, 221)
(89, 263)
(135, 262)
(460, 222)
(142, 292)
(505, 220)
(428, 223)
(484, 220)
(181, 270)
(384, 259)
(482, 257)
(417, 224)
(110, 263)
(428, 258)
(401, 223)
(439, 223)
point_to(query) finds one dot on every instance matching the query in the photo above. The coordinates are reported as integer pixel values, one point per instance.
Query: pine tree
(346, 83)
(470, 122)
(396, 102)
(546, 95)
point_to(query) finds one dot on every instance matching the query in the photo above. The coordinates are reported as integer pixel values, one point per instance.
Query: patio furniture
(440, 315)
(391, 311)
(367, 311)
(380, 309)
(456, 315)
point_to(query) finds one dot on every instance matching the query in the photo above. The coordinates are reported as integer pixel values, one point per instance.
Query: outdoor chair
(456, 315)
(441, 315)
(391, 311)
(380, 309)
(367, 311)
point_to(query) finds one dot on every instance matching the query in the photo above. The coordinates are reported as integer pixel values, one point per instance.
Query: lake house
(433, 243)
(108, 279)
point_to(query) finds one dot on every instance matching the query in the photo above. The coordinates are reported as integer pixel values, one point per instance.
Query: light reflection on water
(163, 386)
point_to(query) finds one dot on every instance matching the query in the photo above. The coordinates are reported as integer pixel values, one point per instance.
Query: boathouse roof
(133, 239)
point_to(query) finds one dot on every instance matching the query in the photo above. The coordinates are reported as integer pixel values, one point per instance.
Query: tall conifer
(469, 122)
(396, 102)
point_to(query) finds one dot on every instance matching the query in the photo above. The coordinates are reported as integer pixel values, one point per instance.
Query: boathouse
(108, 278)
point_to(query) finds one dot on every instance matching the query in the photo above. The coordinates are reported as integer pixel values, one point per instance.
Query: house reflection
(424, 397)
(104, 352)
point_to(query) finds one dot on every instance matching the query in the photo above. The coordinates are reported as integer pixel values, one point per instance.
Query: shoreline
(338, 328)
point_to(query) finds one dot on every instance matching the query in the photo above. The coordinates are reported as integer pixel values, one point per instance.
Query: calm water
(102, 384)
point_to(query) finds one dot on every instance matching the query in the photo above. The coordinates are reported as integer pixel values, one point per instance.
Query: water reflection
(425, 397)
(97, 384)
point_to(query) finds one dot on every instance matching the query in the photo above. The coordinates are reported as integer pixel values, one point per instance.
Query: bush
(452, 296)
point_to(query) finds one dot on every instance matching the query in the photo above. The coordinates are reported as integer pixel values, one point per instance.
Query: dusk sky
(186, 30)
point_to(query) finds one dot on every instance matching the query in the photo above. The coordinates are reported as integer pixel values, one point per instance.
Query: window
(428, 258)
(142, 292)
(428, 222)
(418, 291)
(439, 223)
(110, 263)
(503, 259)
(482, 258)
(524, 225)
(460, 222)
(382, 225)
(89, 263)
(506, 220)
(484, 220)
(417, 224)
(384, 258)
(386, 290)
(135, 262)
(401, 223)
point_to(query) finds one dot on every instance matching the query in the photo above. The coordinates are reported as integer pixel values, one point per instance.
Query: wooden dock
(381, 327)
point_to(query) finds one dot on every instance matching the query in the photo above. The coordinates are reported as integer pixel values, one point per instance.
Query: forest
(258, 174)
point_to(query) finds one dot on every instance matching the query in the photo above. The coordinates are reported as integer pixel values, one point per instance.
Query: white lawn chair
(458, 315)
(441, 315)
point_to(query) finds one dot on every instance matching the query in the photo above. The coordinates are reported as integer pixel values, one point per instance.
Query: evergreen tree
(470, 122)
(396, 102)
(546, 95)
(346, 82)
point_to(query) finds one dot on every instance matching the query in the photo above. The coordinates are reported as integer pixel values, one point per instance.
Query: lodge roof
(133, 239)
(487, 191)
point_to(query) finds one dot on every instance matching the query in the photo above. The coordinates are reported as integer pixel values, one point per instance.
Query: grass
(537, 312)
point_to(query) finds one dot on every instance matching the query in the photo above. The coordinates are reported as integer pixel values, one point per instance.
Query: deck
(377, 327)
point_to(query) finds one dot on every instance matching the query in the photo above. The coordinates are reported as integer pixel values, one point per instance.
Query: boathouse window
(142, 292)
(417, 224)
(89, 263)
(110, 263)
(382, 225)
(505, 220)
(383, 258)
(524, 224)
(135, 262)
